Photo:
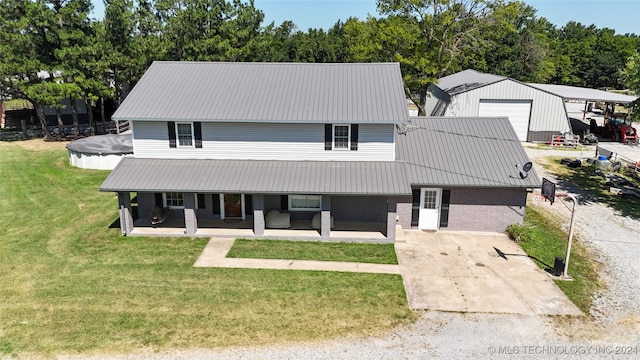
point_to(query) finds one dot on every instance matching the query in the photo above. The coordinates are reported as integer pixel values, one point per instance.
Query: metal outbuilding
(536, 111)
(535, 114)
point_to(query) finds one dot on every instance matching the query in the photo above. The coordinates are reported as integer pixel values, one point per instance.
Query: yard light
(573, 218)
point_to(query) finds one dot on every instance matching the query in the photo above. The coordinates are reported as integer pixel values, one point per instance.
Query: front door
(430, 200)
(232, 206)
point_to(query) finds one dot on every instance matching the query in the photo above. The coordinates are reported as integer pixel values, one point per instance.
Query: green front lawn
(542, 237)
(69, 283)
(325, 251)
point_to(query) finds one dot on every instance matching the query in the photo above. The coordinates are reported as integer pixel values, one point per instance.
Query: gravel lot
(615, 242)
(613, 333)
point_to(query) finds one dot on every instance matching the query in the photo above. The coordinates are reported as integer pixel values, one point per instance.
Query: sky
(621, 15)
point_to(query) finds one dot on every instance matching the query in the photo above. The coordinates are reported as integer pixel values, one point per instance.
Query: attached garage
(535, 114)
(475, 185)
(518, 112)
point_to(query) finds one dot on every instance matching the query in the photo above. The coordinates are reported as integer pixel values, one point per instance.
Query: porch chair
(277, 220)
(315, 221)
(158, 215)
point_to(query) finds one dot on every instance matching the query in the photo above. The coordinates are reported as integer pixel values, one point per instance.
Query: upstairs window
(185, 134)
(341, 137)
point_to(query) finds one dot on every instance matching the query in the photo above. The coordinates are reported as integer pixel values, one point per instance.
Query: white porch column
(190, 218)
(126, 217)
(325, 217)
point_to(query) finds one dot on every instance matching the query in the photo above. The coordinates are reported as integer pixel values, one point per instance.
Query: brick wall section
(359, 208)
(403, 211)
(486, 209)
(146, 201)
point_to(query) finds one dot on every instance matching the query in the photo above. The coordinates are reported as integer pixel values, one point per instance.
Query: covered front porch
(249, 198)
(354, 218)
(343, 230)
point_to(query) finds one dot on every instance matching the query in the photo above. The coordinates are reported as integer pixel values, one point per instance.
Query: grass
(16, 104)
(282, 249)
(585, 177)
(542, 237)
(70, 284)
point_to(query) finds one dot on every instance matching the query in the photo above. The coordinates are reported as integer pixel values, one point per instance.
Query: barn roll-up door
(518, 112)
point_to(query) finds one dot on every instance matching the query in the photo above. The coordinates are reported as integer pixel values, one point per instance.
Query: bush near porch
(71, 284)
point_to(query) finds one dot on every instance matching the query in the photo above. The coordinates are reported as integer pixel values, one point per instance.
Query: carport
(569, 93)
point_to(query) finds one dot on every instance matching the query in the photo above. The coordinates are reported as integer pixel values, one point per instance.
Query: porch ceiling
(261, 177)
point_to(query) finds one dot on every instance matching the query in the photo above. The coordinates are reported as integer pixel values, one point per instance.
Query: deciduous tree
(630, 75)
(430, 38)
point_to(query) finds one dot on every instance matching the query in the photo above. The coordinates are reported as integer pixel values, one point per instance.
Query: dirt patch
(37, 144)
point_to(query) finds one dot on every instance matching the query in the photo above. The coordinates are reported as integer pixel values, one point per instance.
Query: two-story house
(325, 147)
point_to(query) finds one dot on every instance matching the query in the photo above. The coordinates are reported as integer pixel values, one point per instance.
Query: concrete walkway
(215, 255)
(446, 271)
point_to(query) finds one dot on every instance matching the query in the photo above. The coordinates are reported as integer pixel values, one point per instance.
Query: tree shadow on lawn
(590, 186)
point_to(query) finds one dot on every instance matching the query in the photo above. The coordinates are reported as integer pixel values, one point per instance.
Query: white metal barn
(535, 114)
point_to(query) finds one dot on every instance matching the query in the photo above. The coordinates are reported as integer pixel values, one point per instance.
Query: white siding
(547, 110)
(255, 141)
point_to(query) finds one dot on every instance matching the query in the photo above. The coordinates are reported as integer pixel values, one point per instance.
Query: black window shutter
(201, 203)
(444, 208)
(216, 203)
(197, 129)
(328, 136)
(248, 205)
(354, 137)
(415, 207)
(171, 126)
(284, 202)
(159, 201)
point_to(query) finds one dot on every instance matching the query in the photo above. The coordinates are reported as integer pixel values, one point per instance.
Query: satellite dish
(525, 170)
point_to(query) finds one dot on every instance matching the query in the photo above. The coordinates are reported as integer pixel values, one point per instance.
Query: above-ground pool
(102, 152)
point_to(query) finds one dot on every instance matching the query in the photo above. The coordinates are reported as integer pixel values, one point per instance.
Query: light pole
(573, 217)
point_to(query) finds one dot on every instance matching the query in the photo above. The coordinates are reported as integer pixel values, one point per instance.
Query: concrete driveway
(461, 271)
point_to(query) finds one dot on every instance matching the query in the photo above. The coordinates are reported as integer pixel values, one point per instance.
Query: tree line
(52, 50)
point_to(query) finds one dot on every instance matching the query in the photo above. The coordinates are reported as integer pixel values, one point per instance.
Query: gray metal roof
(580, 93)
(467, 152)
(261, 177)
(268, 92)
(466, 80)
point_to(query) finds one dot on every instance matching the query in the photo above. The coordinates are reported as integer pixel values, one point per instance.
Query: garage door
(517, 111)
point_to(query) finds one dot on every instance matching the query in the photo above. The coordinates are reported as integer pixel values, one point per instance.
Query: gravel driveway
(614, 332)
(614, 240)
